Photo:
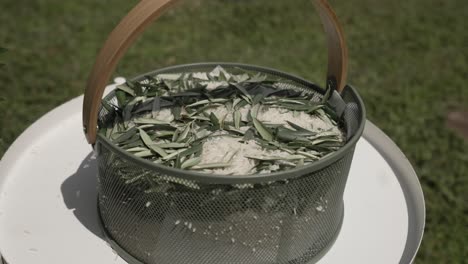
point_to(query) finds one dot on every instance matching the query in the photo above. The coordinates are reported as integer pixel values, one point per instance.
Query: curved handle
(145, 12)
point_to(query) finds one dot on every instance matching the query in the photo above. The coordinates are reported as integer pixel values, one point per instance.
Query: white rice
(272, 115)
(220, 149)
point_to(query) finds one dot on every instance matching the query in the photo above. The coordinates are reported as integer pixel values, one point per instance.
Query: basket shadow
(79, 193)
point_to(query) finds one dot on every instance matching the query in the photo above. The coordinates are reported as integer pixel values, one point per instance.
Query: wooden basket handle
(145, 12)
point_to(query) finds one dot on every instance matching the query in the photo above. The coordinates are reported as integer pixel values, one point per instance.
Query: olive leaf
(125, 88)
(190, 162)
(237, 119)
(262, 130)
(138, 125)
(150, 144)
(214, 121)
(220, 165)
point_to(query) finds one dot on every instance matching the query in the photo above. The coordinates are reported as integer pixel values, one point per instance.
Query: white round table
(48, 199)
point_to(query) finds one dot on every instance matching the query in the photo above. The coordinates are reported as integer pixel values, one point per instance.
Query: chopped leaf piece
(190, 162)
(125, 88)
(206, 166)
(262, 130)
(237, 119)
(214, 121)
(150, 144)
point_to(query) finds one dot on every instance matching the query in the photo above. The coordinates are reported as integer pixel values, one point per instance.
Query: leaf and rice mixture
(221, 122)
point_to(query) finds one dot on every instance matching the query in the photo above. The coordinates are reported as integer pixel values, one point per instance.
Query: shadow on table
(79, 193)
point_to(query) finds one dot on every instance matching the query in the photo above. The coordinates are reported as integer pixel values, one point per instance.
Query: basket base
(132, 260)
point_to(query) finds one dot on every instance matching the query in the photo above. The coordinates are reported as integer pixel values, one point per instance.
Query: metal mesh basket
(189, 217)
(290, 216)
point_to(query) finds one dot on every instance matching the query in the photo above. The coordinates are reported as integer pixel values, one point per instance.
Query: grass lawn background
(409, 60)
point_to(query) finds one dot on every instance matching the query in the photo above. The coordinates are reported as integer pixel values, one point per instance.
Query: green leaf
(204, 102)
(249, 135)
(206, 166)
(214, 121)
(171, 85)
(127, 135)
(237, 119)
(121, 98)
(174, 154)
(242, 103)
(190, 162)
(228, 106)
(258, 98)
(171, 145)
(202, 109)
(163, 133)
(125, 88)
(327, 95)
(150, 121)
(244, 92)
(235, 102)
(199, 118)
(307, 154)
(291, 101)
(156, 106)
(232, 155)
(289, 135)
(300, 129)
(233, 129)
(136, 87)
(150, 144)
(262, 130)
(175, 136)
(137, 149)
(221, 122)
(178, 162)
(254, 110)
(331, 114)
(315, 108)
(176, 111)
(144, 154)
(184, 133)
(193, 150)
(325, 140)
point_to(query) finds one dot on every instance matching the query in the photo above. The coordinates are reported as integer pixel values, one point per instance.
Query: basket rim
(211, 178)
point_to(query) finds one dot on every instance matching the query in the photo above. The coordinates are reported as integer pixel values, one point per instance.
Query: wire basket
(291, 216)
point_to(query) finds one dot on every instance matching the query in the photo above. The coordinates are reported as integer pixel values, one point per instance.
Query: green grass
(409, 60)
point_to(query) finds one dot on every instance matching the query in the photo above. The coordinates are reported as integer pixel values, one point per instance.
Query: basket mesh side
(181, 221)
(283, 222)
